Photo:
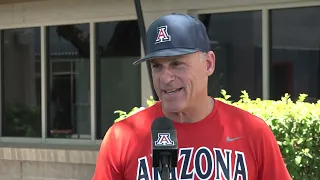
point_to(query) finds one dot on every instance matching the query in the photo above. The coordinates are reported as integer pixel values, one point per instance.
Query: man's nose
(166, 75)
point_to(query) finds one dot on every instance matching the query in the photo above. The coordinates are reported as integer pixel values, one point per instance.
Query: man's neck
(193, 114)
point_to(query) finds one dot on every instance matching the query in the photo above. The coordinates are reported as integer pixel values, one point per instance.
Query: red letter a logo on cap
(163, 35)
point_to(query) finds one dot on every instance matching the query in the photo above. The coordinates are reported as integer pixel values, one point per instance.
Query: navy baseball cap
(174, 35)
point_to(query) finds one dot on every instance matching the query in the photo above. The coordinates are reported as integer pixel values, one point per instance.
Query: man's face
(179, 81)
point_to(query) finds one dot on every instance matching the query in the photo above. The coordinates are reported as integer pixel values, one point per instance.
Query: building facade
(66, 66)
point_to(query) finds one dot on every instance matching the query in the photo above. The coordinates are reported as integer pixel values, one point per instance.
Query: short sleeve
(270, 160)
(108, 165)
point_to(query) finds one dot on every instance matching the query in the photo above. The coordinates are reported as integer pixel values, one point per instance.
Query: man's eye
(176, 63)
(156, 65)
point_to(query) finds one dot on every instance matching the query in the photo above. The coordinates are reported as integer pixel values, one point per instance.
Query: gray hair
(203, 56)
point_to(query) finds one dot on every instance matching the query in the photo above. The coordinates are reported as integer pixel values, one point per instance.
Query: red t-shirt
(229, 143)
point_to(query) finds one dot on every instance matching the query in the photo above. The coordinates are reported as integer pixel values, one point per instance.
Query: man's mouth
(172, 91)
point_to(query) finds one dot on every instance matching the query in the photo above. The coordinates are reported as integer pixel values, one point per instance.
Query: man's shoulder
(243, 121)
(239, 115)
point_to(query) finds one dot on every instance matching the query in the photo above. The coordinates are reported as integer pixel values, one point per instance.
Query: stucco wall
(47, 12)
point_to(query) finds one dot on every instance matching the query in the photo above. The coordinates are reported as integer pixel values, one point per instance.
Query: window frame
(44, 89)
(92, 24)
(266, 31)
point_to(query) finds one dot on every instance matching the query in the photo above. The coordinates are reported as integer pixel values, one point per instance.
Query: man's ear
(211, 62)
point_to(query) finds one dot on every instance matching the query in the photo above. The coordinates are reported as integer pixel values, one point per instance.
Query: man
(216, 140)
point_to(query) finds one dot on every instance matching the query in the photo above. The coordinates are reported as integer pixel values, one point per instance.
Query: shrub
(22, 120)
(123, 114)
(296, 126)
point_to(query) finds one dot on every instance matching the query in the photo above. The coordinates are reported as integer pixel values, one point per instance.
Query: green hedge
(296, 126)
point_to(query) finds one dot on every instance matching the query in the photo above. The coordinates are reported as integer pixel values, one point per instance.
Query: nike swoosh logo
(228, 139)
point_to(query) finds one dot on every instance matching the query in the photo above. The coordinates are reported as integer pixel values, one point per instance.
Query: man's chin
(172, 107)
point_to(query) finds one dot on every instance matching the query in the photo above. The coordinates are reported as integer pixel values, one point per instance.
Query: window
(21, 83)
(69, 81)
(236, 41)
(295, 53)
(118, 81)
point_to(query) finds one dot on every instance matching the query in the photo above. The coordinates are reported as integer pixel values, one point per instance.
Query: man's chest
(218, 158)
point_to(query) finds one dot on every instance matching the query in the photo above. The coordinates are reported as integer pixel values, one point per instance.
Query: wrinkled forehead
(182, 58)
(167, 59)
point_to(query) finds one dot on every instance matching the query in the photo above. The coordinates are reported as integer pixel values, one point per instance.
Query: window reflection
(21, 104)
(119, 82)
(295, 53)
(236, 41)
(69, 81)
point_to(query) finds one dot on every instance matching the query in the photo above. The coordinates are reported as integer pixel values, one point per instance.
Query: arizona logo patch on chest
(201, 163)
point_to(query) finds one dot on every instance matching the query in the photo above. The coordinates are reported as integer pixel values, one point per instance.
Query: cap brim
(165, 53)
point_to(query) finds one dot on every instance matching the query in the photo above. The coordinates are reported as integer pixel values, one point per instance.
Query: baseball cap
(174, 35)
